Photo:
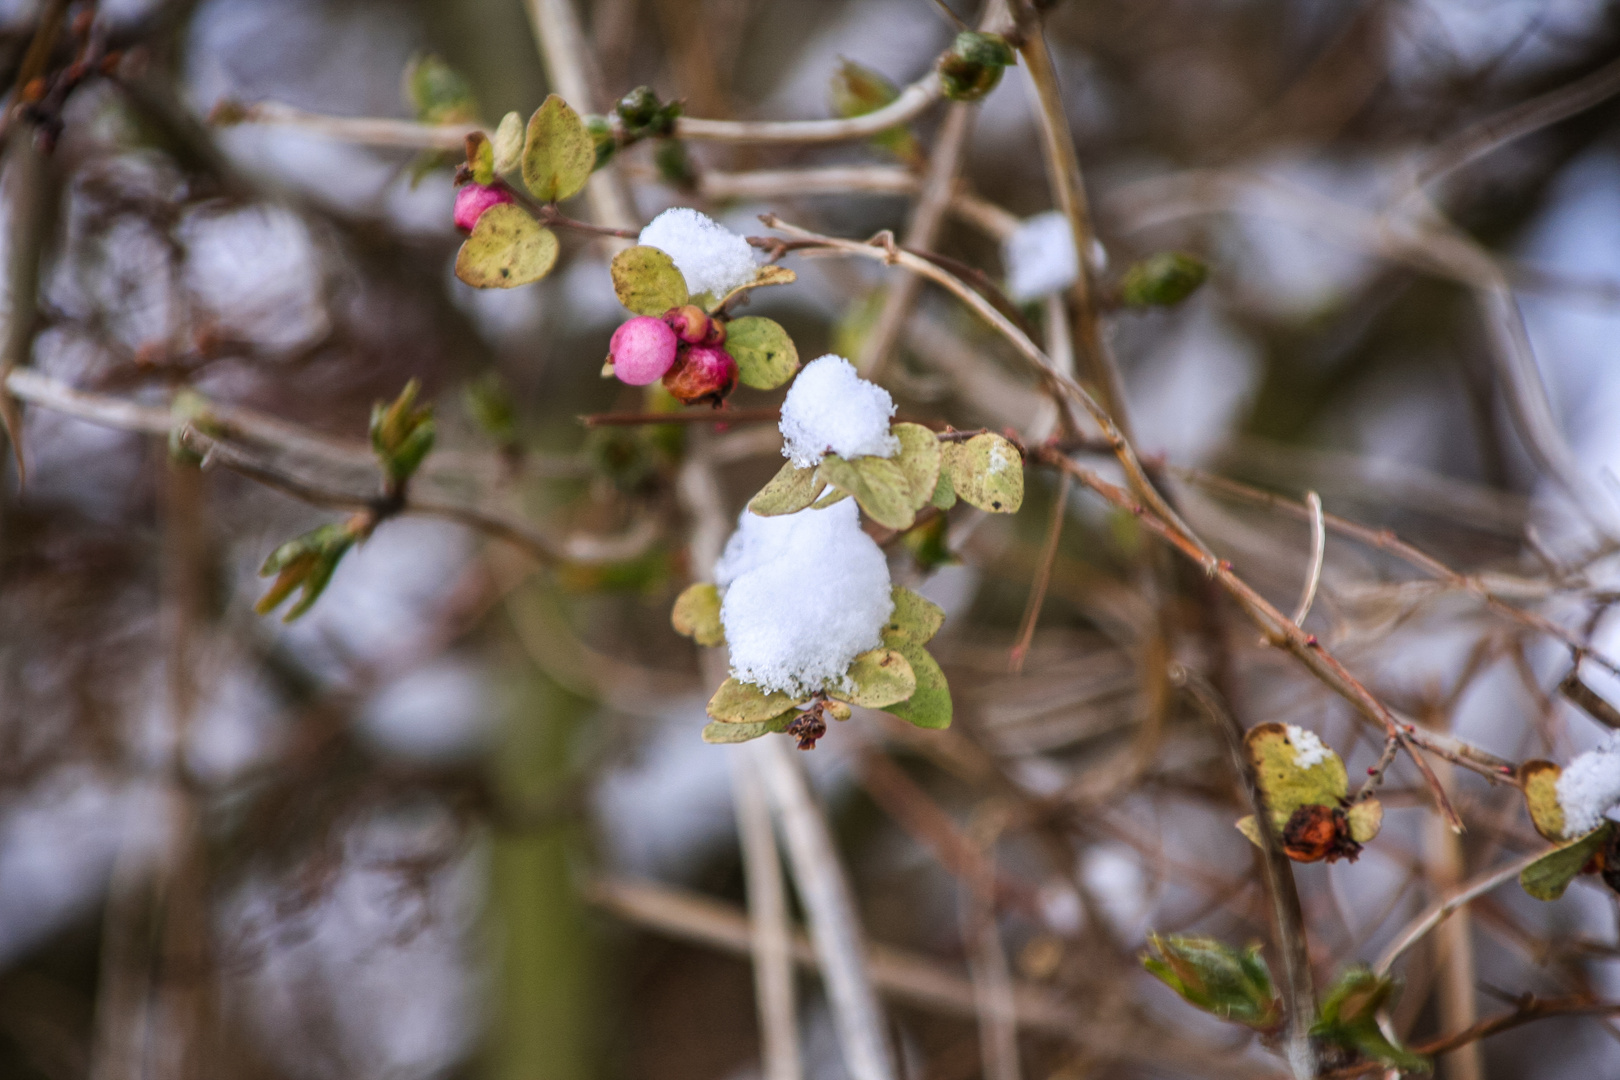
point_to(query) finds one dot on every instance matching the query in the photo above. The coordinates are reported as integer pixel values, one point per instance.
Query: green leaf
(697, 615)
(914, 619)
(944, 496)
(858, 90)
(919, 458)
(717, 732)
(1349, 1017)
(507, 248)
(986, 471)
(877, 484)
(558, 152)
(306, 562)
(481, 159)
(743, 703)
(437, 93)
(1284, 783)
(875, 679)
(1540, 782)
(765, 355)
(929, 706)
(1233, 984)
(401, 433)
(647, 281)
(1550, 875)
(508, 143)
(833, 496)
(770, 274)
(1162, 280)
(790, 490)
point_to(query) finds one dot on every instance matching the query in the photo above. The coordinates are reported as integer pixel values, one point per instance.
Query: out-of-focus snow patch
(436, 713)
(1187, 394)
(258, 274)
(1113, 874)
(1040, 257)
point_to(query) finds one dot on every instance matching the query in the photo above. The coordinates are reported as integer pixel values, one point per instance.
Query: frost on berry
(643, 349)
(702, 373)
(473, 199)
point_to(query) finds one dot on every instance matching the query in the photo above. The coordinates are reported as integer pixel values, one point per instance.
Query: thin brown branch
(1313, 575)
(1043, 577)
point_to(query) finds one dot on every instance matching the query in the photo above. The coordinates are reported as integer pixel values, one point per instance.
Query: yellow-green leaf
(876, 679)
(766, 357)
(1285, 783)
(877, 484)
(1540, 780)
(1550, 875)
(481, 156)
(507, 248)
(647, 281)
(697, 615)
(944, 494)
(929, 706)
(766, 275)
(717, 732)
(914, 619)
(743, 703)
(1249, 826)
(790, 490)
(558, 153)
(508, 143)
(833, 496)
(919, 458)
(1365, 818)
(986, 471)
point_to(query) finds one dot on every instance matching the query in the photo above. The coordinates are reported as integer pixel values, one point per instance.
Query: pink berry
(473, 199)
(642, 350)
(694, 327)
(702, 373)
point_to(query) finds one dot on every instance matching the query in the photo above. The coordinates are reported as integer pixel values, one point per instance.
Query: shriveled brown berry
(1315, 833)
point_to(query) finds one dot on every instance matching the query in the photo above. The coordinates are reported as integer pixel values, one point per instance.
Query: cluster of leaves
(1308, 807)
(1235, 984)
(972, 66)
(900, 677)
(402, 434)
(986, 471)
(1594, 852)
(555, 154)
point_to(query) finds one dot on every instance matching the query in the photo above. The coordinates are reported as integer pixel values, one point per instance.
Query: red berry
(702, 373)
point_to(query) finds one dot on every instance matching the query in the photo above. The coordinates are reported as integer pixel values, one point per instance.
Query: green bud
(638, 108)
(1233, 984)
(973, 66)
(306, 563)
(1348, 1017)
(437, 93)
(1162, 280)
(401, 434)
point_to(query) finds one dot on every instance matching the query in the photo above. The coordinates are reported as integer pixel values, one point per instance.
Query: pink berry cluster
(684, 348)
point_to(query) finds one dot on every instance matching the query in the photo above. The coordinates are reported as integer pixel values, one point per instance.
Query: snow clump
(830, 409)
(1040, 257)
(1308, 749)
(1590, 787)
(711, 257)
(805, 594)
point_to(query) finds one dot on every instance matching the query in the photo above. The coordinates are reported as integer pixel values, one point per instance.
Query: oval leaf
(877, 484)
(790, 490)
(558, 152)
(876, 679)
(647, 281)
(697, 615)
(1365, 819)
(1550, 875)
(929, 706)
(743, 703)
(507, 248)
(944, 494)
(1285, 783)
(986, 471)
(765, 355)
(914, 619)
(1540, 780)
(716, 732)
(919, 458)
(508, 143)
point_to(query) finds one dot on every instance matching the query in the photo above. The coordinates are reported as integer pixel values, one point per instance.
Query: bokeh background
(408, 827)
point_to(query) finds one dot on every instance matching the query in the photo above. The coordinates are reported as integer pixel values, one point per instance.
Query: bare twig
(1313, 575)
(1043, 577)
(771, 937)
(911, 102)
(1436, 913)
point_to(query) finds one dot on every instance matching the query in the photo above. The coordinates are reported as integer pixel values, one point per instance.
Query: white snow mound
(1040, 257)
(831, 409)
(1589, 787)
(805, 594)
(711, 257)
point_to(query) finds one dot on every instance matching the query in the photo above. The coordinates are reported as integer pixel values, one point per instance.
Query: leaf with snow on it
(830, 409)
(1539, 780)
(711, 258)
(877, 484)
(919, 458)
(647, 282)
(1589, 787)
(986, 471)
(1274, 750)
(876, 680)
(738, 702)
(507, 248)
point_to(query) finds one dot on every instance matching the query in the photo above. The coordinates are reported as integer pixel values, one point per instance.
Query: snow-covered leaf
(558, 152)
(790, 490)
(697, 615)
(647, 282)
(1294, 769)
(507, 248)
(877, 484)
(764, 353)
(830, 409)
(743, 703)
(986, 471)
